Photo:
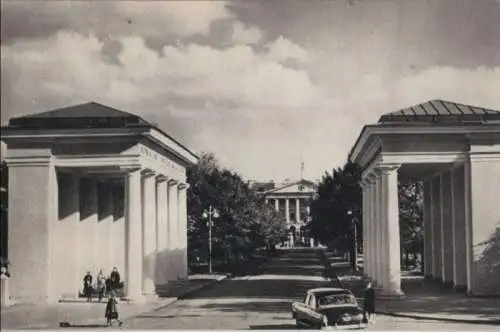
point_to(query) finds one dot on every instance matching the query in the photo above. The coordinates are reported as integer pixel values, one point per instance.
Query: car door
(315, 319)
(302, 310)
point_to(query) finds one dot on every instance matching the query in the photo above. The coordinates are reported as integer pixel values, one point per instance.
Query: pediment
(293, 188)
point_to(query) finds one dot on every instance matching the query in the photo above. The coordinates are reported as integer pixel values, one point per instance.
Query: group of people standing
(102, 284)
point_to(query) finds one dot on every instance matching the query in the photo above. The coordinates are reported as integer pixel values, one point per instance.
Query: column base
(151, 297)
(135, 299)
(391, 295)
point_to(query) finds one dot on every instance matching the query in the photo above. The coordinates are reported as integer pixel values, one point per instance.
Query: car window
(336, 299)
(312, 302)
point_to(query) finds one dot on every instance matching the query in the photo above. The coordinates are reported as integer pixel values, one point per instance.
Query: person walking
(369, 303)
(111, 312)
(101, 285)
(87, 286)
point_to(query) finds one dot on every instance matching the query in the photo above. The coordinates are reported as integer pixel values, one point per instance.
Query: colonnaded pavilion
(455, 150)
(90, 188)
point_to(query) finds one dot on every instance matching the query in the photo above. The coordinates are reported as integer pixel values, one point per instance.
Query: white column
(66, 264)
(371, 226)
(453, 227)
(172, 230)
(183, 268)
(107, 229)
(133, 221)
(276, 204)
(468, 226)
(287, 210)
(378, 244)
(87, 228)
(366, 224)
(432, 221)
(119, 228)
(390, 217)
(161, 230)
(427, 216)
(297, 210)
(368, 257)
(149, 232)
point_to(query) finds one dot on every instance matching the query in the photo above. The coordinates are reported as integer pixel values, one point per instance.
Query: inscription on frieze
(164, 161)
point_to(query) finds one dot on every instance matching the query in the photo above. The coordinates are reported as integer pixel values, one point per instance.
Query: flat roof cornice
(151, 133)
(369, 131)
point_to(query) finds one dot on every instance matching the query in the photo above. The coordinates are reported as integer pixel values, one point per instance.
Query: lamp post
(355, 238)
(211, 213)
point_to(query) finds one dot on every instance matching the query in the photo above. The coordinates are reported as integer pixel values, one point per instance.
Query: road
(263, 301)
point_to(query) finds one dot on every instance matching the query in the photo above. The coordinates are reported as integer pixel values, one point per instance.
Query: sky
(264, 84)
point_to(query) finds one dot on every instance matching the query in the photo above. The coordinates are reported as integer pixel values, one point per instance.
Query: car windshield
(336, 299)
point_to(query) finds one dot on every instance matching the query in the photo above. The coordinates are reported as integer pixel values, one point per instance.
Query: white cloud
(283, 49)
(69, 67)
(245, 35)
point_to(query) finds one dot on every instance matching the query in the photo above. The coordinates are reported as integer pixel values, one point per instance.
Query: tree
(338, 193)
(244, 223)
(410, 219)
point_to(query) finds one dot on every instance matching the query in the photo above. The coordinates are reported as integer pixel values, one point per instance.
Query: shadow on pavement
(251, 307)
(274, 327)
(268, 288)
(166, 316)
(82, 326)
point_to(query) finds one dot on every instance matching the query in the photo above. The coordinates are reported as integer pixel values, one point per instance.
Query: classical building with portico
(91, 188)
(455, 150)
(291, 199)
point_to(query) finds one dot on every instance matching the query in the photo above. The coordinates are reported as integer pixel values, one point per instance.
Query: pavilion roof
(90, 114)
(440, 112)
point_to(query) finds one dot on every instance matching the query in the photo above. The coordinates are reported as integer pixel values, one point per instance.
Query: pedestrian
(115, 279)
(369, 303)
(101, 285)
(87, 286)
(111, 312)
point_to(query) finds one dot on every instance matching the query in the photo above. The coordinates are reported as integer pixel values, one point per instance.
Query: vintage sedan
(326, 308)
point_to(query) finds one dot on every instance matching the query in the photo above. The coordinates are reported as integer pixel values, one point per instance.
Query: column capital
(387, 168)
(370, 178)
(161, 178)
(130, 169)
(148, 173)
(184, 186)
(172, 182)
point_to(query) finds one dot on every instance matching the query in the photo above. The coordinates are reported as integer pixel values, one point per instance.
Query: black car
(328, 307)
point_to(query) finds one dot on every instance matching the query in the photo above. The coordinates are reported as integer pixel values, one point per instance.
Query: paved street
(263, 301)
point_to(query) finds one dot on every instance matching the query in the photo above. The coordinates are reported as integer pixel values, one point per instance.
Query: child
(112, 310)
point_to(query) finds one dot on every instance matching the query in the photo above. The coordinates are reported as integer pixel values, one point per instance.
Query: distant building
(292, 199)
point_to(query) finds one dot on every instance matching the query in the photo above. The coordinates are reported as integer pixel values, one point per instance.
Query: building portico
(454, 150)
(92, 188)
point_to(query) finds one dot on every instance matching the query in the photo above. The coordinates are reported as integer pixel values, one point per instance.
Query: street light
(211, 213)
(355, 244)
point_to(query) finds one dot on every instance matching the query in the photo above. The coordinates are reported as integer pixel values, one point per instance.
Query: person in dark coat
(112, 310)
(114, 279)
(369, 303)
(87, 286)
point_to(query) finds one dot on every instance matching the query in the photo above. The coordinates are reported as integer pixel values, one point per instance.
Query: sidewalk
(429, 302)
(83, 314)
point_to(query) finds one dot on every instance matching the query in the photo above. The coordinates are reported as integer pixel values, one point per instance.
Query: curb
(442, 319)
(194, 290)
